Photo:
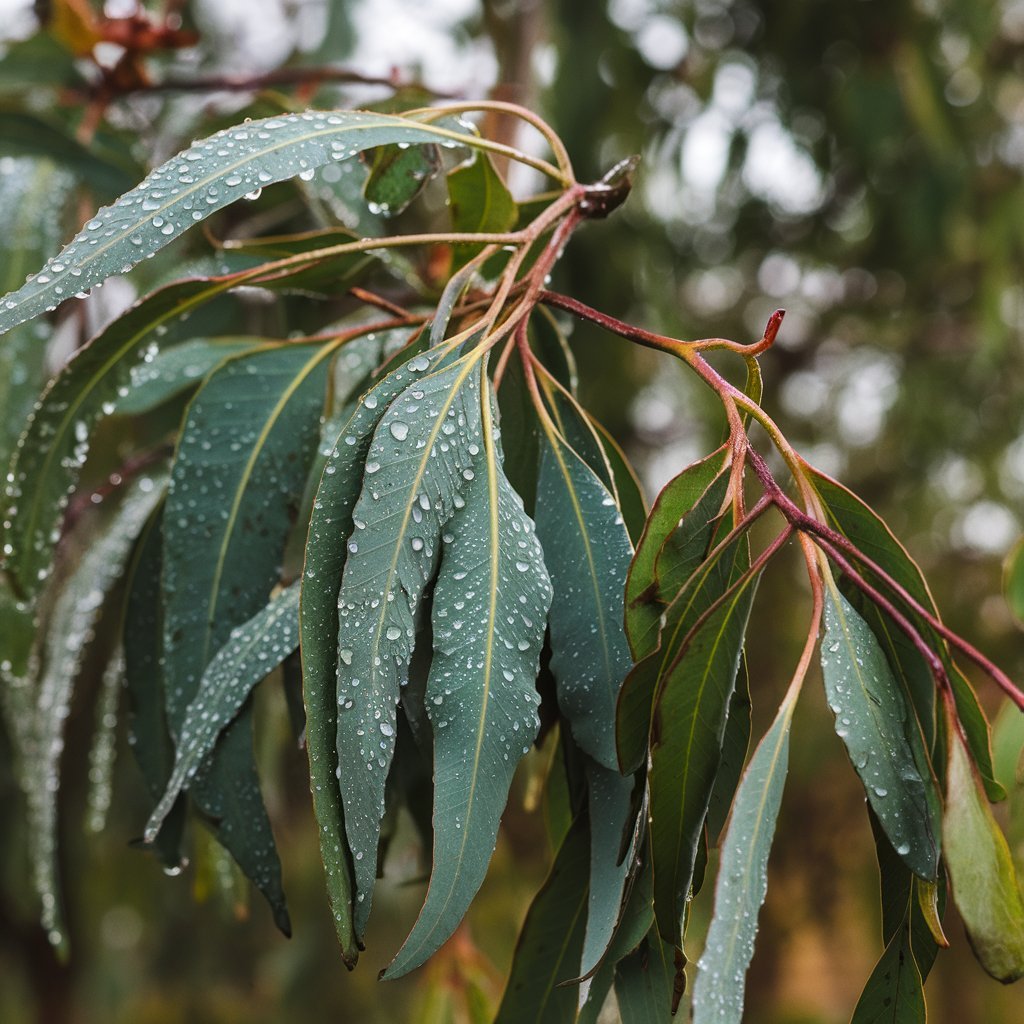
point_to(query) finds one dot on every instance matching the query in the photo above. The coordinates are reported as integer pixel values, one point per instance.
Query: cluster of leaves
(408, 513)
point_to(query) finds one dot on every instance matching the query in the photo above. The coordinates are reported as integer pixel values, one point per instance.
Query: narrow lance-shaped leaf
(550, 942)
(419, 464)
(248, 438)
(142, 637)
(330, 525)
(986, 888)
(69, 630)
(253, 650)
(588, 553)
(743, 879)
(54, 445)
(871, 718)
(103, 749)
(894, 994)
(686, 748)
(609, 807)
(206, 177)
(644, 982)
(490, 607)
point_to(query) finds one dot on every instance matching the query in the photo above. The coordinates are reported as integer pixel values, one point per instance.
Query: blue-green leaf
(421, 461)
(249, 435)
(742, 879)
(588, 552)
(871, 716)
(490, 606)
(253, 650)
(206, 177)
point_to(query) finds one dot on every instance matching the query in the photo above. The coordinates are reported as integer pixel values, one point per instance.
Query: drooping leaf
(55, 443)
(103, 748)
(611, 855)
(490, 606)
(588, 551)
(894, 994)
(208, 176)
(176, 369)
(644, 981)
(1013, 581)
(69, 630)
(976, 729)
(423, 455)
(871, 716)
(735, 741)
(249, 435)
(330, 526)
(986, 888)
(687, 733)
(142, 637)
(551, 940)
(253, 650)
(742, 879)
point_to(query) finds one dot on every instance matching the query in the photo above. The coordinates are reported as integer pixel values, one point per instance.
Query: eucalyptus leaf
(871, 716)
(742, 879)
(490, 606)
(644, 983)
(424, 454)
(330, 525)
(479, 201)
(894, 993)
(253, 650)
(588, 553)
(249, 435)
(206, 177)
(986, 888)
(69, 630)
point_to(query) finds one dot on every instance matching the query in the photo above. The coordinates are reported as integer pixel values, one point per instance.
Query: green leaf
(149, 736)
(976, 728)
(330, 526)
(644, 982)
(209, 175)
(894, 993)
(551, 940)
(174, 370)
(611, 857)
(479, 201)
(871, 716)
(249, 435)
(735, 741)
(742, 879)
(423, 456)
(490, 606)
(37, 62)
(69, 629)
(588, 551)
(687, 734)
(252, 652)
(684, 504)
(398, 174)
(55, 443)
(986, 889)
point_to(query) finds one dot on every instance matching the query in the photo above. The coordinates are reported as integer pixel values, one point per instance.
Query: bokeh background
(856, 163)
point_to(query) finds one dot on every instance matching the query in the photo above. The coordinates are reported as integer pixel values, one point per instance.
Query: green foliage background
(889, 230)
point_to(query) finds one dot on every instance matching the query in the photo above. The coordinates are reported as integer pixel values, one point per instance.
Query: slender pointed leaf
(398, 174)
(103, 748)
(69, 630)
(735, 741)
(588, 552)
(644, 982)
(209, 175)
(894, 993)
(253, 650)
(418, 466)
(329, 528)
(550, 941)
(490, 606)
(686, 747)
(871, 716)
(986, 888)
(249, 435)
(742, 879)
